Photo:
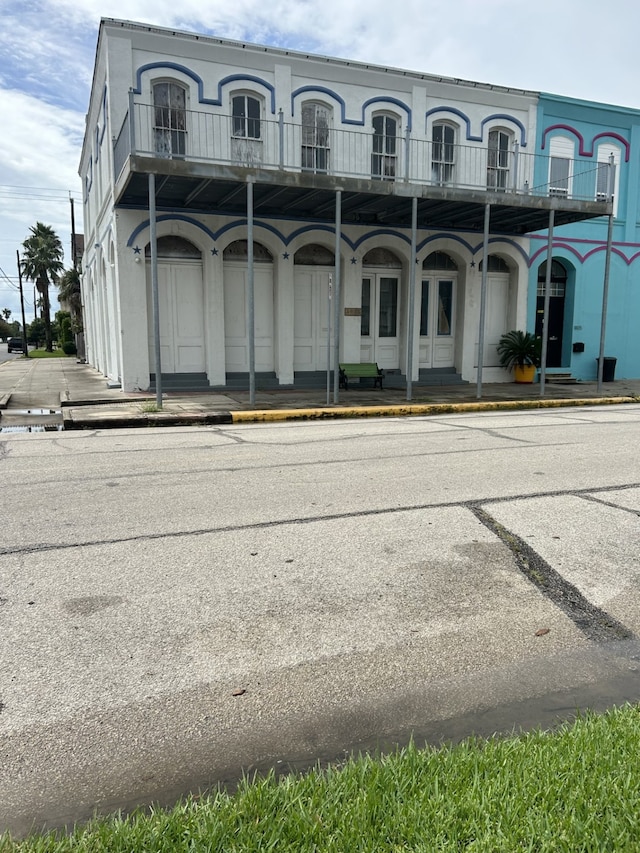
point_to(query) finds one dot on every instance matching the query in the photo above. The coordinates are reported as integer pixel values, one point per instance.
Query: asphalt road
(179, 605)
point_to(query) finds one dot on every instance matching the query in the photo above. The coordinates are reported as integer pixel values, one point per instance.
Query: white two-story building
(292, 210)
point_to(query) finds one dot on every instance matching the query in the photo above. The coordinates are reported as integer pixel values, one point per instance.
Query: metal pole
(412, 295)
(25, 348)
(407, 153)
(605, 299)
(74, 249)
(547, 297)
(336, 302)
(329, 339)
(251, 308)
(132, 126)
(281, 139)
(154, 287)
(483, 297)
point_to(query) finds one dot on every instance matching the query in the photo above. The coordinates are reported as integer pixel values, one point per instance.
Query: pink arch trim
(582, 150)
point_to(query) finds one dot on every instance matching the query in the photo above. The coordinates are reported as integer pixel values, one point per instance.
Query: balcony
(203, 161)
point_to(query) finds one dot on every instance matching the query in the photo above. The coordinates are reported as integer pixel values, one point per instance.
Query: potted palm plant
(521, 352)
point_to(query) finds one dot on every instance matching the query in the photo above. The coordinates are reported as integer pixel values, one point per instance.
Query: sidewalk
(81, 394)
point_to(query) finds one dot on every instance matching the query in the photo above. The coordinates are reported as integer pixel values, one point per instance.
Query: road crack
(596, 624)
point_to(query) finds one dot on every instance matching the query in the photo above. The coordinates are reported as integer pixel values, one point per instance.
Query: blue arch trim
(386, 99)
(215, 235)
(381, 232)
(442, 236)
(164, 218)
(509, 242)
(512, 119)
(467, 122)
(465, 118)
(307, 228)
(353, 244)
(214, 102)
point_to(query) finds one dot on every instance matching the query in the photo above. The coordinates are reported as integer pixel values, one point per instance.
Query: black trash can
(608, 368)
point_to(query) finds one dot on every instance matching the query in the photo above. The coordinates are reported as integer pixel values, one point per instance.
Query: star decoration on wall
(285, 256)
(214, 252)
(473, 263)
(136, 250)
(354, 260)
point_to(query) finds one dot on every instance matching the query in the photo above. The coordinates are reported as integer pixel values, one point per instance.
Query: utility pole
(25, 348)
(74, 251)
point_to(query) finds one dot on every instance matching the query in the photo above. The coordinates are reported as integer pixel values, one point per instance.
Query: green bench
(360, 371)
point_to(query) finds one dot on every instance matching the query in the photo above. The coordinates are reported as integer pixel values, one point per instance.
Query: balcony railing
(279, 145)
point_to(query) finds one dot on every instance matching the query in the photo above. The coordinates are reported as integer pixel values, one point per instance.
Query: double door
(437, 318)
(379, 333)
(181, 309)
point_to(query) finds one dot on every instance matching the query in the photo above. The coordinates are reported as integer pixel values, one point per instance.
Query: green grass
(576, 789)
(42, 353)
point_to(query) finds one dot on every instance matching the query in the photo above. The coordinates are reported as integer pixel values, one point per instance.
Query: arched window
(495, 264)
(562, 152)
(239, 251)
(246, 129)
(439, 261)
(314, 255)
(176, 248)
(246, 117)
(608, 178)
(170, 119)
(443, 139)
(315, 137)
(499, 158)
(385, 147)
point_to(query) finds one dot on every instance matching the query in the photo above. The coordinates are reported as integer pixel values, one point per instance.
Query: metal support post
(605, 299)
(407, 153)
(251, 307)
(25, 346)
(516, 152)
(132, 125)
(336, 301)
(281, 139)
(547, 297)
(412, 295)
(153, 240)
(483, 298)
(329, 289)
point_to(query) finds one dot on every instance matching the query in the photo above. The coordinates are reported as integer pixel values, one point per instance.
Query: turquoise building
(608, 138)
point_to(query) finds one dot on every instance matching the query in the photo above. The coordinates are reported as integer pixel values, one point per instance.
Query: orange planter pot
(524, 373)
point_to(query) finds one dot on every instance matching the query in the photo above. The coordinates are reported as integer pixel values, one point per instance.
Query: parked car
(14, 345)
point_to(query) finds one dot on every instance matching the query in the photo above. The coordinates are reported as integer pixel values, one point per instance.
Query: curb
(421, 409)
(147, 419)
(166, 419)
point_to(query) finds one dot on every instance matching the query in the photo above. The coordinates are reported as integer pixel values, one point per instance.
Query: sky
(579, 48)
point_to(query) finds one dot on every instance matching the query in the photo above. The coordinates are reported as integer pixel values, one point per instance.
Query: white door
(181, 308)
(379, 333)
(236, 332)
(437, 321)
(496, 316)
(311, 318)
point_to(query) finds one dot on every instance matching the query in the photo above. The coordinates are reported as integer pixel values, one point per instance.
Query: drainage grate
(33, 428)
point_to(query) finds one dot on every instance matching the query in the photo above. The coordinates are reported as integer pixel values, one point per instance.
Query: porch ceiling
(301, 196)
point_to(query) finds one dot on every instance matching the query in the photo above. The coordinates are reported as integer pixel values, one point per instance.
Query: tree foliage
(42, 264)
(70, 294)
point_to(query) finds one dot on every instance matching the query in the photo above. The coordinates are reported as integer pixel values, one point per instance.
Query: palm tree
(70, 293)
(42, 263)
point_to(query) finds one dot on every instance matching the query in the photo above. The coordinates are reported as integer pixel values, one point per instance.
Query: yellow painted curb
(266, 415)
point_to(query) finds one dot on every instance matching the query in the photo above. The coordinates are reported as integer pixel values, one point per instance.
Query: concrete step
(560, 379)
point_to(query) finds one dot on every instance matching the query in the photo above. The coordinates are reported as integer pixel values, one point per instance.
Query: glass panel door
(379, 340)
(437, 323)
